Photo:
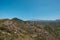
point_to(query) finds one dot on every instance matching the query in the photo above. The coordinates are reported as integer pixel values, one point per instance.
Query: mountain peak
(17, 19)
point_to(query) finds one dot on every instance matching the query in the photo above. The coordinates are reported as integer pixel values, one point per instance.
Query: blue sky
(30, 9)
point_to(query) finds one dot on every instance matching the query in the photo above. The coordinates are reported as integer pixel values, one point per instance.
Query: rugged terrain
(16, 29)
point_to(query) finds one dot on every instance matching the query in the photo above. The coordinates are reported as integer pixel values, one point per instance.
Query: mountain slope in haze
(16, 29)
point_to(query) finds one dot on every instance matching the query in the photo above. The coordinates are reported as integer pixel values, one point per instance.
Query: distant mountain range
(17, 29)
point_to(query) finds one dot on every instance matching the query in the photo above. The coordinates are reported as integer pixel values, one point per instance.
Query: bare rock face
(16, 29)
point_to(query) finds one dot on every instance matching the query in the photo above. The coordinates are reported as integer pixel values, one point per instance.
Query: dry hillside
(16, 29)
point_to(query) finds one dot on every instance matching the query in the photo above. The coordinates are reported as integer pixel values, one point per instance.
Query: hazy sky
(30, 9)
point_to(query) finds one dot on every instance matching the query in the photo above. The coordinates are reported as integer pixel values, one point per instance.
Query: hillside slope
(16, 29)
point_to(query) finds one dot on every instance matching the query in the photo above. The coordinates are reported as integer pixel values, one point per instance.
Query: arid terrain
(17, 29)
